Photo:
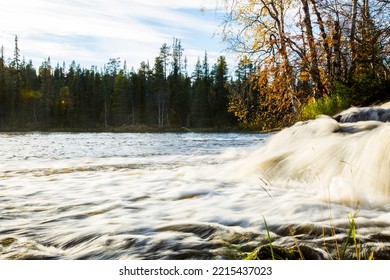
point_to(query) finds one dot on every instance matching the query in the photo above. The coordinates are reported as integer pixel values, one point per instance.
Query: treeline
(160, 95)
(299, 59)
(308, 56)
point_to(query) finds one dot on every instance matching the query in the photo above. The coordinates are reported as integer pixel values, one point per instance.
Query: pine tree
(45, 76)
(159, 90)
(220, 71)
(30, 95)
(119, 101)
(199, 100)
(141, 92)
(178, 98)
(17, 76)
(3, 93)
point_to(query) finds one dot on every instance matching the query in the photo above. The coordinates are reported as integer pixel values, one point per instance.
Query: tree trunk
(325, 43)
(319, 88)
(336, 44)
(352, 38)
(278, 16)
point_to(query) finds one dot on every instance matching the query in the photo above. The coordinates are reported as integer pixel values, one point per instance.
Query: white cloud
(93, 31)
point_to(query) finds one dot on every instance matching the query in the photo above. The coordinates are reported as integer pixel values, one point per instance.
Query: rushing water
(185, 196)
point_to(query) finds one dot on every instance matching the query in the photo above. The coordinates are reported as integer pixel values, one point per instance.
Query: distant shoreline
(130, 129)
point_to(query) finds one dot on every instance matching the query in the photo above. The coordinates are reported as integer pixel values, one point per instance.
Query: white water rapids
(192, 195)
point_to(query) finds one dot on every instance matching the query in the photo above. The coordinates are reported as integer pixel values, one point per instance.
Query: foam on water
(346, 163)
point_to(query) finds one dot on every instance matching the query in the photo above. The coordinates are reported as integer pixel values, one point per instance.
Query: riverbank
(128, 129)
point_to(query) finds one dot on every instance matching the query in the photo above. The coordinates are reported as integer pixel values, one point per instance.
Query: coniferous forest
(161, 94)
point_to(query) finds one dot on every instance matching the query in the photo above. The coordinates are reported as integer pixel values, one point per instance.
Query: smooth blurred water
(156, 196)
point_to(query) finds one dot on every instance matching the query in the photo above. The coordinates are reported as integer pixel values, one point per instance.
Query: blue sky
(91, 32)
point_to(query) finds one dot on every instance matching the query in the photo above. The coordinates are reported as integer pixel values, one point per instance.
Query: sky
(93, 31)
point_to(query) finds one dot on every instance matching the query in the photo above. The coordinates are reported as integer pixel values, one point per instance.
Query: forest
(297, 59)
(163, 95)
(309, 57)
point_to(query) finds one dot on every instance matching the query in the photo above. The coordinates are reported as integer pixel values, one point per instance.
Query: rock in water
(355, 114)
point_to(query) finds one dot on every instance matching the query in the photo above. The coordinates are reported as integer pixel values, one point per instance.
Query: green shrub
(327, 105)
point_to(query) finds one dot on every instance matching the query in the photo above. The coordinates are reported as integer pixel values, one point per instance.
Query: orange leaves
(304, 76)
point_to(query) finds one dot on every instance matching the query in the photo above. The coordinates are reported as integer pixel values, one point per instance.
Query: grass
(273, 252)
(352, 238)
(269, 238)
(351, 235)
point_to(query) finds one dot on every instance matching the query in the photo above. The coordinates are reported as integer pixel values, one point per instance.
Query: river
(179, 196)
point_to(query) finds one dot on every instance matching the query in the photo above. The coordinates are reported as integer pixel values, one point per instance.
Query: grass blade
(269, 239)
